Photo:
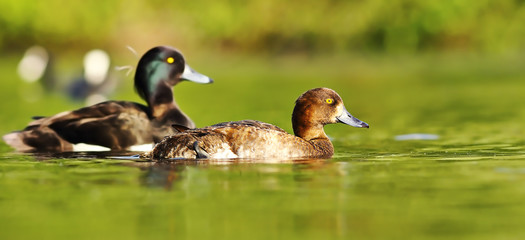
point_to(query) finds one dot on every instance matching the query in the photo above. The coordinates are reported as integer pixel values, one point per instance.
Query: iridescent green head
(163, 67)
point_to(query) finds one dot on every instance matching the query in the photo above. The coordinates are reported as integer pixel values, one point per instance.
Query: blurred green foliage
(391, 26)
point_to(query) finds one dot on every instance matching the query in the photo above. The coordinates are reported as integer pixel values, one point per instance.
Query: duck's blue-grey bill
(192, 75)
(348, 119)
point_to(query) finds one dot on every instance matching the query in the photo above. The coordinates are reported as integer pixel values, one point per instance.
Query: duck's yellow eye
(170, 60)
(329, 100)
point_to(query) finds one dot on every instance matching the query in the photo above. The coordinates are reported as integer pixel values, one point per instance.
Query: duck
(37, 65)
(118, 125)
(96, 82)
(259, 140)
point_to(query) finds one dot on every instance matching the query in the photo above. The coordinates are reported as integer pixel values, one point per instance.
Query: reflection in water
(165, 173)
(162, 175)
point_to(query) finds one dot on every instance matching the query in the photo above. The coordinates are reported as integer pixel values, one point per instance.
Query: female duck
(118, 125)
(253, 139)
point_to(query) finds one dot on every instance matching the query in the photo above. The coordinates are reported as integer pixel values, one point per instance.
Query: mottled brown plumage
(257, 140)
(118, 125)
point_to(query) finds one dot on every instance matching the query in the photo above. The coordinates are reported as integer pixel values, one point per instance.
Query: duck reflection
(166, 173)
(96, 83)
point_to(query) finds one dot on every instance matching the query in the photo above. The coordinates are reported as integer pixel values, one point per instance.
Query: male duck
(118, 125)
(253, 139)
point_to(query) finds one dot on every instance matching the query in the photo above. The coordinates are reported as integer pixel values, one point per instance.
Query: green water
(467, 184)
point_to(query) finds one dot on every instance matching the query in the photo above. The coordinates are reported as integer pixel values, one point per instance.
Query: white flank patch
(141, 148)
(82, 147)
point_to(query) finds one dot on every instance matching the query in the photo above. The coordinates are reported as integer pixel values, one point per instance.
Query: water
(465, 184)
(372, 196)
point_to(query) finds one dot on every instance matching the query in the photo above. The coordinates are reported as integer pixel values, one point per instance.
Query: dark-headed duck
(257, 140)
(118, 125)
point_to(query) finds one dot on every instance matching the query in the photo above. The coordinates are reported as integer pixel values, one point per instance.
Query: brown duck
(118, 125)
(257, 140)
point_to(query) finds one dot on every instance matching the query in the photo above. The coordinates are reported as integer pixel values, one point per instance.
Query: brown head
(318, 107)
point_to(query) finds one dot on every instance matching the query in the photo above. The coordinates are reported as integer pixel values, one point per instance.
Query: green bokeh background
(397, 26)
(450, 68)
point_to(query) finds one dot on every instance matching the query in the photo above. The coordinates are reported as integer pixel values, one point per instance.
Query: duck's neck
(161, 101)
(323, 147)
(165, 110)
(305, 128)
(315, 135)
(309, 131)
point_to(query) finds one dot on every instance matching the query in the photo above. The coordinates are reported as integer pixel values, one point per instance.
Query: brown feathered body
(258, 140)
(241, 139)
